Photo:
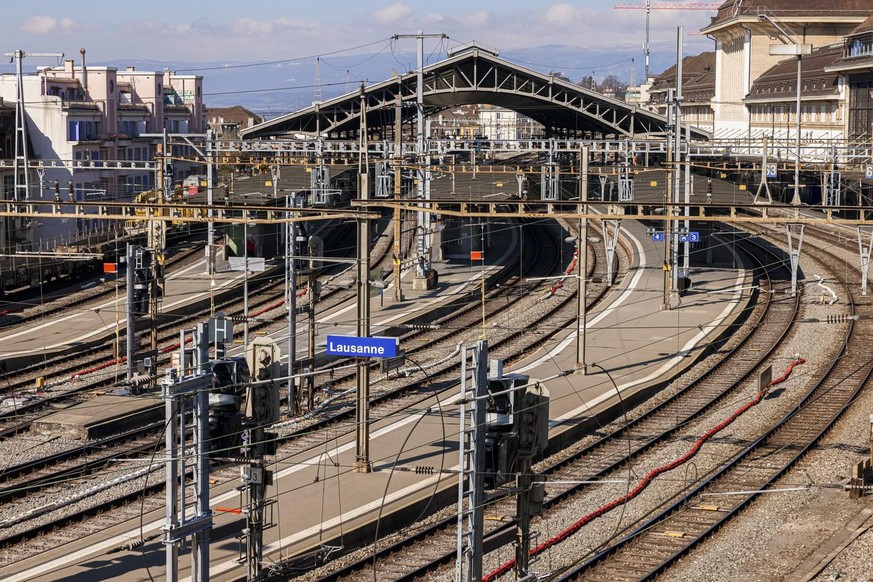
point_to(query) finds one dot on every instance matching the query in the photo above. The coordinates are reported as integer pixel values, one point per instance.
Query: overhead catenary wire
(288, 60)
(649, 477)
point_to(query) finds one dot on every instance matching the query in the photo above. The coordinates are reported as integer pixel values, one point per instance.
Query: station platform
(110, 413)
(79, 328)
(633, 347)
(101, 416)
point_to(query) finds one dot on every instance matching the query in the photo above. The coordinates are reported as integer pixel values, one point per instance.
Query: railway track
(331, 422)
(502, 291)
(73, 377)
(65, 300)
(43, 473)
(422, 552)
(698, 513)
(91, 456)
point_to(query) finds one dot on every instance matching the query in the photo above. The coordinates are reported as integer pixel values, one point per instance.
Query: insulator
(132, 545)
(140, 379)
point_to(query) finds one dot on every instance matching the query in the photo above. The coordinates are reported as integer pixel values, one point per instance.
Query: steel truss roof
(472, 77)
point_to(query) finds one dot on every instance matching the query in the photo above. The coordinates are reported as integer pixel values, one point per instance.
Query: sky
(264, 30)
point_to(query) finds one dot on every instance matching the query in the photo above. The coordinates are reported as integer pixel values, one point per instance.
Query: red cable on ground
(570, 268)
(279, 303)
(120, 360)
(648, 478)
(170, 348)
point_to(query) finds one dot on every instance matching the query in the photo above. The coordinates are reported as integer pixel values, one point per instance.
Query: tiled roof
(779, 82)
(698, 78)
(865, 26)
(235, 113)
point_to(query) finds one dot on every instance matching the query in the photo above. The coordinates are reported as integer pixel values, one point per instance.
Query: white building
(498, 123)
(94, 114)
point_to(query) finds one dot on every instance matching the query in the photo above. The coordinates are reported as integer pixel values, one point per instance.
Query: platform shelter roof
(468, 77)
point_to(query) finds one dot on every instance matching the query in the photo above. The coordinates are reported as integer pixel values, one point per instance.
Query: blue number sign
(691, 237)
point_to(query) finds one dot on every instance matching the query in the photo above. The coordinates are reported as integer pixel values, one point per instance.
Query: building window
(81, 130)
(861, 106)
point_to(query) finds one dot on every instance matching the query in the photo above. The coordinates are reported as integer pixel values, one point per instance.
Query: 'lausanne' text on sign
(361, 347)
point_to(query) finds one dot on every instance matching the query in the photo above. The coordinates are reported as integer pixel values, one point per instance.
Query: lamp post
(581, 312)
(582, 262)
(794, 49)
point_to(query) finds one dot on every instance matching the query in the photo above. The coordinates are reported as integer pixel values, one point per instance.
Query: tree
(614, 85)
(587, 82)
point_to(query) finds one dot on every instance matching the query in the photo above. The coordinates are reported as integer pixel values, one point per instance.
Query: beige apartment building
(91, 115)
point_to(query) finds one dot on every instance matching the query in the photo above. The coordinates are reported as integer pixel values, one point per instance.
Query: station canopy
(472, 76)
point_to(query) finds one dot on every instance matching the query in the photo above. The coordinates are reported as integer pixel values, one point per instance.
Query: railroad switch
(500, 518)
(862, 474)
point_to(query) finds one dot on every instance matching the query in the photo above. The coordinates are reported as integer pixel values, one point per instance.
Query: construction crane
(648, 6)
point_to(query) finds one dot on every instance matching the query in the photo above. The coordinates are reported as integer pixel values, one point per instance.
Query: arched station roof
(473, 76)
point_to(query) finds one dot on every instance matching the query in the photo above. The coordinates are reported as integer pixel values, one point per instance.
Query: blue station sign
(689, 237)
(361, 347)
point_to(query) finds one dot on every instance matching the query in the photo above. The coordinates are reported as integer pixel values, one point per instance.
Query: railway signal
(262, 410)
(531, 424)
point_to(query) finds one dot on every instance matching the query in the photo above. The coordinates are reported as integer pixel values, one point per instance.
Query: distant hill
(281, 87)
(236, 85)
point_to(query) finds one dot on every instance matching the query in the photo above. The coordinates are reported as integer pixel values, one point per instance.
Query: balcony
(79, 105)
(860, 46)
(138, 107)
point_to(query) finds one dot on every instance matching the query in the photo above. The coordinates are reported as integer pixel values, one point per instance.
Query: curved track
(390, 400)
(770, 322)
(753, 470)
